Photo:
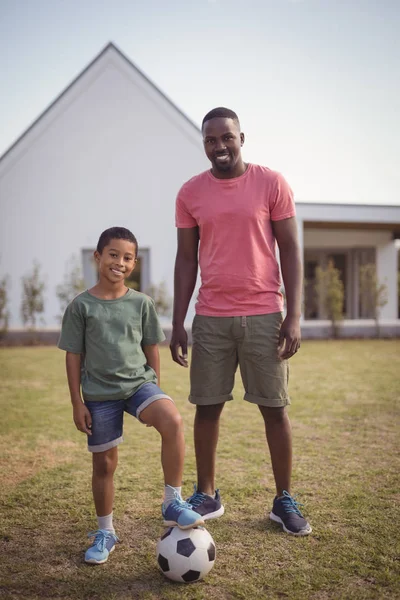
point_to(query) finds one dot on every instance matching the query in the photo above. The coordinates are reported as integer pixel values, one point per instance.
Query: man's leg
(212, 375)
(265, 379)
(206, 430)
(279, 438)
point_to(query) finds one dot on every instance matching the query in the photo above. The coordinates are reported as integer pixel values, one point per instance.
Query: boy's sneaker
(285, 511)
(103, 543)
(180, 513)
(205, 505)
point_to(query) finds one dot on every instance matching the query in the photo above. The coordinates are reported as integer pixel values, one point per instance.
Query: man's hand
(289, 337)
(82, 418)
(179, 343)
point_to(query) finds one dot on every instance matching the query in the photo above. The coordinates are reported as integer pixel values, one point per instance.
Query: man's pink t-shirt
(238, 266)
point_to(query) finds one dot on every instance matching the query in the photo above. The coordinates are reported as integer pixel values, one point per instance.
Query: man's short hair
(116, 233)
(221, 113)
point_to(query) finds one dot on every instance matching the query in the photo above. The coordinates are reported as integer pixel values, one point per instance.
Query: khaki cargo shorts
(220, 344)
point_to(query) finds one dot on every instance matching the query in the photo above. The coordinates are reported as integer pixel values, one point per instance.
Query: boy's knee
(104, 463)
(172, 425)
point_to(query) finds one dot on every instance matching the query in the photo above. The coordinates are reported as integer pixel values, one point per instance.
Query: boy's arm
(81, 414)
(152, 355)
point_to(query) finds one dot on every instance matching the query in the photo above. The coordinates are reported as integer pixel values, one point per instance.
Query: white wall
(345, 238)
(112, 151)
(386, 269)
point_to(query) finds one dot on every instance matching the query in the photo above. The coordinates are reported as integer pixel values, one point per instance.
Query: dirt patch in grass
(19, 462)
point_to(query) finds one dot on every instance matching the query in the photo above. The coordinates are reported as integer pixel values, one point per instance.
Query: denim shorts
(108, 416)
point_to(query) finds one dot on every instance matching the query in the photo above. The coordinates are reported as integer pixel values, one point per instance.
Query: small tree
(32, 303)
(373, 293)
(161, 297)
(4, 314)
(73, 284)
(330, 292)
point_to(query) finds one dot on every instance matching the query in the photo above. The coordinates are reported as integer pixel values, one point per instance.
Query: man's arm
(285, 232)
(81, 414)
(152, 355)
(186, 266)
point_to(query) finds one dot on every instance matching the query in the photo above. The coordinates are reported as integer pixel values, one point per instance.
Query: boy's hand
(82, 418)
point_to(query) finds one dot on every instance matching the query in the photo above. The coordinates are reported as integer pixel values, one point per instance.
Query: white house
(112, 149)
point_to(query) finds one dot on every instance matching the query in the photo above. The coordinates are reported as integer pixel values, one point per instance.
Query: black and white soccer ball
(186, 556)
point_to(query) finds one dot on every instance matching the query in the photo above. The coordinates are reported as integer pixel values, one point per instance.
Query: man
(229, 220)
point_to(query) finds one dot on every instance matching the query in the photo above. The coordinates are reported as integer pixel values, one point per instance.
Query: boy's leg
(155, 409)
(107, 420)
(104, 466)
(165, 418)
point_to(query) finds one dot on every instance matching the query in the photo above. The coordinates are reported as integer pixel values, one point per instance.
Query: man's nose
(220, 145)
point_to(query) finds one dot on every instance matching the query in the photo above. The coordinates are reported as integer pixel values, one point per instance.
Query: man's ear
(241, 139)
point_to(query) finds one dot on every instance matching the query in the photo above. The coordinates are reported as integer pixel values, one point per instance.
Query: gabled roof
(108, 47)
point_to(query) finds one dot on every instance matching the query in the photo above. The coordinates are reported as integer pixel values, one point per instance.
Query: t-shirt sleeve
(183, 218)
(151, 328)
(72, 337)
(282, 205)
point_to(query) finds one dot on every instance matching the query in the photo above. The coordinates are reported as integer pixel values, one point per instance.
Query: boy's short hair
(116, 233)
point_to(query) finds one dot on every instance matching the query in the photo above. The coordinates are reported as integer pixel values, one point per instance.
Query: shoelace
(101, 537)
(179, 504)
(290, 504)
(197, 498)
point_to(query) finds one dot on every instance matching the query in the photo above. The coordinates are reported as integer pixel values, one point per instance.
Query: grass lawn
(345, 419)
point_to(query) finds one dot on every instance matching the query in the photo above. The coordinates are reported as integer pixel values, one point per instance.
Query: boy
(110, 334)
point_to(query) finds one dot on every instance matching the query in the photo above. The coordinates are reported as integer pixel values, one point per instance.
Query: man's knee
(274, 414)
(210, 412)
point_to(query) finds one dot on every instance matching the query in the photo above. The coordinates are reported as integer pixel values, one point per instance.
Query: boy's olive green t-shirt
(110, 335)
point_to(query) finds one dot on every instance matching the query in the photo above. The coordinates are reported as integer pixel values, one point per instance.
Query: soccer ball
(186, 556)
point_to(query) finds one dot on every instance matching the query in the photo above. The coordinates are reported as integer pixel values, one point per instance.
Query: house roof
(108, 47)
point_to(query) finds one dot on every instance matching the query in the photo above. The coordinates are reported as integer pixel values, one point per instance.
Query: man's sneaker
(285, 511)
(206, 506)
(180, 513)
(103, 543)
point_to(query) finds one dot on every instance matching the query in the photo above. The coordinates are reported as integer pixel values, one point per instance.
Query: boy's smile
(116, 262)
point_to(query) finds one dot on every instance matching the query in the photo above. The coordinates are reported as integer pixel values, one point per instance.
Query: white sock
(106, 523)
(169, 494)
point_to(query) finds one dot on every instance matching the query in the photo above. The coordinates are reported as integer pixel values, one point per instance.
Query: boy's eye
(113, 254)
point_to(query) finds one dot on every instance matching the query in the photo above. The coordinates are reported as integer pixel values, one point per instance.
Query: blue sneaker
(285, 511)
(103, 543)
(206, 506)
(180, 513)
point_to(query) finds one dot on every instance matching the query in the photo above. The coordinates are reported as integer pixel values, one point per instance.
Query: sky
(316, 83)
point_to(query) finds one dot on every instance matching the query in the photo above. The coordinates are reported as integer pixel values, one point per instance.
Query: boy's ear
(96, 255)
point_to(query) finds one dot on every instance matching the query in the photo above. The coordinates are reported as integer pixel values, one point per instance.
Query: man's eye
(209, 141)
